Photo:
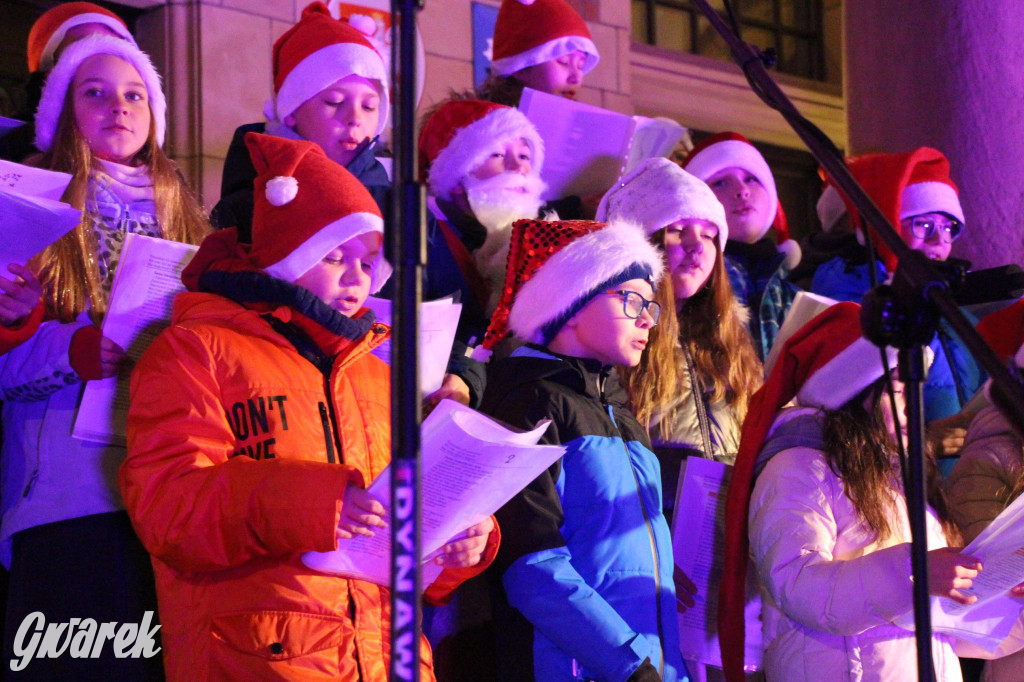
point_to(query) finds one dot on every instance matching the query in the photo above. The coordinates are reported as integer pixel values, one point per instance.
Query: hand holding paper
(20, 295)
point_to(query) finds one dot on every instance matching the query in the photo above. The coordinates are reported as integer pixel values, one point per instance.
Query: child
(702, 339)
(916, 193)
(52, 32)
(695, 379)
(542, 44)
(828, 521)
(331, 88)
(742, 181)
(256, 422)
(989, 474)
(586, 564)
(20, 307)
(101, 119)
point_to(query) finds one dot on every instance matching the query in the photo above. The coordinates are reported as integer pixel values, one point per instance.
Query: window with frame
(794, 28)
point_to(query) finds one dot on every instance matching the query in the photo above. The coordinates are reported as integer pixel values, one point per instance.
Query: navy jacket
(586, 555)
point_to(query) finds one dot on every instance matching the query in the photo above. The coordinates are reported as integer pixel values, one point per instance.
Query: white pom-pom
(527, 2)
(363, 23)
(282, 189)
(792, 252)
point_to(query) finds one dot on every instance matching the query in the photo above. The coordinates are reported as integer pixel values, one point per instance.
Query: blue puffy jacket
(586, 555)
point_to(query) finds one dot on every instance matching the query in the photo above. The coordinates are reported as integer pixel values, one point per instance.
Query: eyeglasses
(633, 304)
(924, 228)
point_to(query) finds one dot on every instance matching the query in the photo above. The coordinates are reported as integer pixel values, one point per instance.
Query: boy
(331, 88)
(256, 421)
(586, 564)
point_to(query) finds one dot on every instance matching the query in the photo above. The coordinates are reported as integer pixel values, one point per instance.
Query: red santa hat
(317, 52)
(55, 90)
(49, 30)
(728, 150)
(904, 185)
(825, 364)
(556, 267)
(658, 193)
(1004, 331)
(531, 32)
(306, 205)
(461, 134)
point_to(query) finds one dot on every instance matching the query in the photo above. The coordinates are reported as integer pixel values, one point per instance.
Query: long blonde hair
(716, 338)
(67, 268)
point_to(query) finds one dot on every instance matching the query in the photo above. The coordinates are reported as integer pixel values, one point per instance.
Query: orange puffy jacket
(231, 474)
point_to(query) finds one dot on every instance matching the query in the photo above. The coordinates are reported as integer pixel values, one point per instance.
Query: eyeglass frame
(946, 227)
(654, 312)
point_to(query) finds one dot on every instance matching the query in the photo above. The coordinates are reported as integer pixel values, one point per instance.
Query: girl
(702, 338)
(101, 118)
(758, 269)
(828, 527)
(542, 44)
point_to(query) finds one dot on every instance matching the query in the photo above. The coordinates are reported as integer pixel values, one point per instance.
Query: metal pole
(407, 252)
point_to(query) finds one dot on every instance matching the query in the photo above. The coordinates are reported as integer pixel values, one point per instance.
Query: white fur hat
(57, 83)
(658, 193)
(556, 267)
(461, 134)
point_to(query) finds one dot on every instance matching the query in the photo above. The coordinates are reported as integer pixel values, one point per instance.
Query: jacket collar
(590, 377)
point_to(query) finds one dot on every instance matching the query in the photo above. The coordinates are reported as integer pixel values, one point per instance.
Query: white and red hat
(658, 193)
(461, 134)
(55, 90)
(904, 185)
(317, 52)
(49, 29)
(728, 150)
(556, 267)
(826, 363)
(1004, 331)
(531, 32)
(306, 205)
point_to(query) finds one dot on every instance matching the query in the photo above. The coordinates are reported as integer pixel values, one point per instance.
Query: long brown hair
(714, 334)
(67, 268)
(860, 451)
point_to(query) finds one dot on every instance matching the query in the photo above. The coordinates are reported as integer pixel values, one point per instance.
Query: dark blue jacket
(759, 280)
(586, 555)
(236, 183)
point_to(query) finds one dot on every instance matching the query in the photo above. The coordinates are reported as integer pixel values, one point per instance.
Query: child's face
(690, 252)
(604, 332)
(341, 118)
(111, 107)
(507, 156)
(746, 203)
(342, 278)
(562, 76)
(938, 244)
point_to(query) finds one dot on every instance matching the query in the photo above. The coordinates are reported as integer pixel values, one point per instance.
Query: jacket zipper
(650, 533)
(329, 420)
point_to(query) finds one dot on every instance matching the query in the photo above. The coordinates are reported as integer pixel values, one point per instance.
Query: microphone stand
(918, 293)
(408, 254)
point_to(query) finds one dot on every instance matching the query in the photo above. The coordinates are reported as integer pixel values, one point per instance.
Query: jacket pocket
(249, 641)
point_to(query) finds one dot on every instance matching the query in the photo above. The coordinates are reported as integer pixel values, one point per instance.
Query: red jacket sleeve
(11, 337)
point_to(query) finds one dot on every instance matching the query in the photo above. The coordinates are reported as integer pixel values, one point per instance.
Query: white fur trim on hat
(930, 197)
(851, 371)
(46, 58)
(57, 83)
(830, 208)
(553, 49)
(575, 271)
(658, 193)
(326, 239)
(327, 66)
(471, 145)
(730, 153)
